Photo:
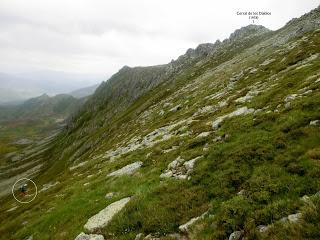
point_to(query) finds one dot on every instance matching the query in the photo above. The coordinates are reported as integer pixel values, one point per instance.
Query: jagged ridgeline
(222, 143)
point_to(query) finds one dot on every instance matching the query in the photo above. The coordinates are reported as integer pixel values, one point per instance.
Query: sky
(101, 36)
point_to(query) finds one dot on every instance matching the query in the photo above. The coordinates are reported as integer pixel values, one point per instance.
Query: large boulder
(102, 218)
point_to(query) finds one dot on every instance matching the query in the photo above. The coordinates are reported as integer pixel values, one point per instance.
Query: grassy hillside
(246, 113)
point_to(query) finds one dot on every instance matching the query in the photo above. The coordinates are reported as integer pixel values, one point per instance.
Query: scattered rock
(176, 108)
(83, 236)
(267, 62)
(29, 238)
(170, 149)
(221, 138)
(238, 112)
(206, 109)
(109, 195)
(290, 97)
(48, 186)
(293, 218)
(283, 220)
(185, 227)
(86, 184)
(127, 170)
(241, 192)
(306, 199)
(79, 165)
(179, 168)
(253, 70)
(262, 228)
(247, 97)
(152, 138)
(190, 164)
(314, 122)
(139, 236)
(150, 237)
(102, 218)
(235, 235)
(166, 174)
(12, 209)
(203, 134)
(167, 104)
(23, 141)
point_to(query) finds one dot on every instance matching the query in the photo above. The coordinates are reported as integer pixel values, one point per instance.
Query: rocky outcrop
(179, 168)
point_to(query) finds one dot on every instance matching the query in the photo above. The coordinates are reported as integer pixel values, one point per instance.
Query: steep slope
(223, 142)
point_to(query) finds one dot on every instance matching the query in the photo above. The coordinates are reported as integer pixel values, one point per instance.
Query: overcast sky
(100, 36)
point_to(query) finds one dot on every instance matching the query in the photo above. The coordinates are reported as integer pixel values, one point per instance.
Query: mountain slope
(226, 136)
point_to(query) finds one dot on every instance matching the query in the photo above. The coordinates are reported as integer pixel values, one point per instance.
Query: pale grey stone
(293, 218)
(127, 170)
(235, 235)
(101, 219)
(83, 236)
(262, 228)
(238, 112)
(314, 122)
(185, 227)
(203, 134)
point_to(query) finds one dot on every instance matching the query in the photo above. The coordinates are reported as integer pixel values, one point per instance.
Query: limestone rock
(48, 186)
(235, 235)
(262, 228)
(176, 108)
(102, 218)
(139, 236)
(203, 134)
(83, 236)
(190, 164)
(238, 112)
(185, 227)
(109, 195)
(79, 165)
(294, 218)
(127, 170)
(314, 123)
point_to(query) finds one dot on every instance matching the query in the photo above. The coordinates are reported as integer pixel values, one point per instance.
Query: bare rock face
(127, 170)
(102, 218)
(83, 236)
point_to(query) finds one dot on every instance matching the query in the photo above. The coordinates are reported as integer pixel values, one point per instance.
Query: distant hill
(84, 92)
(20, 87)
(44, 106)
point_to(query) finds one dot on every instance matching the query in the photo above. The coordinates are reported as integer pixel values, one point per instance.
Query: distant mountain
(57, 107)
(84, 92)
(20, 87)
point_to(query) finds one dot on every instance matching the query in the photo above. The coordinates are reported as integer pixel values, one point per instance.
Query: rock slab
(102, 218)
(83, 236)
(127, 170)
